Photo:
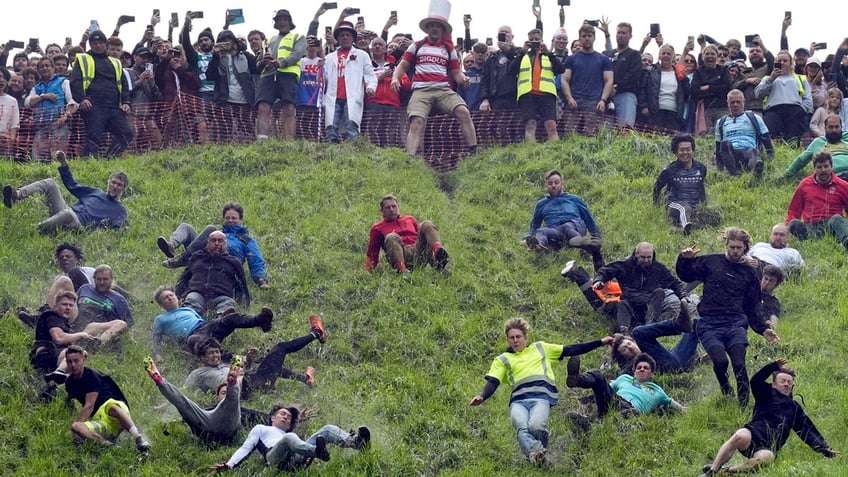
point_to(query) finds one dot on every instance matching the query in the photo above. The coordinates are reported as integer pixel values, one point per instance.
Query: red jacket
(406, 226)
(814, 202)
(384, 93)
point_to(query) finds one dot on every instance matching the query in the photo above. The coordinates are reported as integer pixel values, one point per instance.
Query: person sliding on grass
(529, 371)
(283, 449)
(776, 413)
(567, 219)
(630, 395)
(404, 242)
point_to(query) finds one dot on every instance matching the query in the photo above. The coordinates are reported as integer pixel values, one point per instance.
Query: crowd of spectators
(582, 85)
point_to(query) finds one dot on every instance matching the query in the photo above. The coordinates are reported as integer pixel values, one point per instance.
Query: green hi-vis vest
(525, 76)
(519, 388)
(86, 63)
(284, 49)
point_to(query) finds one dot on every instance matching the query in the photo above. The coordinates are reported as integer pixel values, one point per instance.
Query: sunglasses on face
(724, 54)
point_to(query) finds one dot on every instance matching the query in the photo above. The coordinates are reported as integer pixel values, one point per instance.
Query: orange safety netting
(192, 120)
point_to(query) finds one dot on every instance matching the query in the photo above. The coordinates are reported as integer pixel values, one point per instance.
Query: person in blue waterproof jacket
(240, 243)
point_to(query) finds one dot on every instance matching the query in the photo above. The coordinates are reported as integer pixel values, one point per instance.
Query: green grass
(407, 353)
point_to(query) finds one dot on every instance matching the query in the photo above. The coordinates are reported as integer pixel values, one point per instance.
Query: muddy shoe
(10, 196)
(166, 246)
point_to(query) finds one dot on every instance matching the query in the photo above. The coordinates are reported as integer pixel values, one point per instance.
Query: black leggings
(271, 366)
(719, 356)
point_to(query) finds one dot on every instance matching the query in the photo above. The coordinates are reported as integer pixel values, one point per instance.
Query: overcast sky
(53, 20)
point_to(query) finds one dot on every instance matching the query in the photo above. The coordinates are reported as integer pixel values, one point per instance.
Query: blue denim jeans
(558, 237)
(675, 360)
(185, 235)
(530, 419)
(292, 452)
(625, 108)
(340, 118)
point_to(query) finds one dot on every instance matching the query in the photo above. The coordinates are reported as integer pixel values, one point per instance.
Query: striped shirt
(432, 63)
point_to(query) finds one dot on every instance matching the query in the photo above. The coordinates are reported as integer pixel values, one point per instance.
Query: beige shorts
(444, 99)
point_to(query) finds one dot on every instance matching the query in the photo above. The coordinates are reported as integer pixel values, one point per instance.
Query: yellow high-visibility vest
(547, 83)
(284, 49)
(86, 63)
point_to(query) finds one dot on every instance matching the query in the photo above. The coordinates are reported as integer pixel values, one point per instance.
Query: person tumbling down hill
(529, 371)
(567, 220)
(776, 414)
(405, 244)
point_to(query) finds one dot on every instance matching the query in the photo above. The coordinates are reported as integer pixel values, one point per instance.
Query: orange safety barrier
(192, 120)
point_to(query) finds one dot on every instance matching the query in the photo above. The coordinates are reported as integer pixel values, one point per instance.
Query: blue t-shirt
(740, 131)
(587, 74)
(471, 94)
(645, 397)
(112, 304)
(311, 81)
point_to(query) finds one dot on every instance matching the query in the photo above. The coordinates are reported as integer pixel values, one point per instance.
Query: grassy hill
(406, 353)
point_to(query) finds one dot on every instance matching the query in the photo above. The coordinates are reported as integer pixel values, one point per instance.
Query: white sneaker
(568, 268)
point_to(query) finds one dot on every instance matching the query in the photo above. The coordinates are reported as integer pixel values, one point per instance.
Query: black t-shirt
(50, 319)
(93, 381)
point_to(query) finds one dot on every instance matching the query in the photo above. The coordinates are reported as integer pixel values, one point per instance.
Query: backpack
(751, 117)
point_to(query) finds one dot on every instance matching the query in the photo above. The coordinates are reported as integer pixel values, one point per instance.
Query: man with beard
(834, 142)
(729, 306)
(96, 208)
(650, 293)
(405, 243)
(280, 73)
(820, 203)
(762, 64)
(103, 311)
(213, 279)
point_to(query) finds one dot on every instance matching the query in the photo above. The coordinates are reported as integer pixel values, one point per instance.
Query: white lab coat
(358, 75)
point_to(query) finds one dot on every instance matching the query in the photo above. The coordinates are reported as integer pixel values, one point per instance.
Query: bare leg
(739, 441)
(468, 132)
(61, 284)
(289, 125)
(530, 130)
(80, 429)
(413, 137)
(106, 331)
(125, 420)
(761, 457)
(263, 119)
(551, 130)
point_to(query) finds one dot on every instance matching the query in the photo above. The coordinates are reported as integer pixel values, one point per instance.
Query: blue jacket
(95, 208)
(244, 247)
(555, 211)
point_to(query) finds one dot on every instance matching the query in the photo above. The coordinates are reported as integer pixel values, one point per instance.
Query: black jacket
(776, 415)
(637, 283)
(730, 289)
(498, 81)
(718, 79)
(213, 276)
(103, 90)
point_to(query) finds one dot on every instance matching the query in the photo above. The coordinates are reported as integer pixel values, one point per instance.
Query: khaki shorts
(102, 423)
(444, 99)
